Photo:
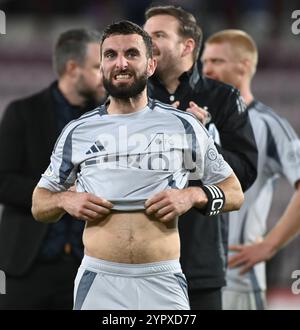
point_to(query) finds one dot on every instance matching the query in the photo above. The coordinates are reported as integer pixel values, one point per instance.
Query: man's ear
(152, 64)
(71, 68)
(189, 46)
(244, 67)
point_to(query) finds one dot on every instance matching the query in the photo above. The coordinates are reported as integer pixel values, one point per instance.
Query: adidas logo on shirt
(96, 147)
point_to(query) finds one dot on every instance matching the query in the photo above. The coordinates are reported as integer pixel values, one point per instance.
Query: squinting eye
(132, 54)
(218, 61)
(159, 35)
(109, 55)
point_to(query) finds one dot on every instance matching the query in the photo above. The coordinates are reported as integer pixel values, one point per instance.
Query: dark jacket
(202, 251)
(28, 131)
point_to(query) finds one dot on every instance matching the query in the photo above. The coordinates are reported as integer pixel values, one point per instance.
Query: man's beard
(91, 96)
(126, 91)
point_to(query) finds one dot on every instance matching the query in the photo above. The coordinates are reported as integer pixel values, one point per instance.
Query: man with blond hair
(231, 56)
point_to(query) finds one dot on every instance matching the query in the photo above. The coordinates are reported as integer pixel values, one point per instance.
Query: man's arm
(234, 197)
(240, 151)
(172, 203)
(238, 146)
(285, 230)
(48, 206)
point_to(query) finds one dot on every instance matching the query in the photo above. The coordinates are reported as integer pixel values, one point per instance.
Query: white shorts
(102, 284)
(235, 300)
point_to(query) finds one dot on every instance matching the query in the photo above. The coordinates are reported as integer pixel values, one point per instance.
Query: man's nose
(154, 45)
(122, 62)
(207, 68)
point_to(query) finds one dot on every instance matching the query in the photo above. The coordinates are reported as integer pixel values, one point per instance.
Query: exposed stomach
(131, 237)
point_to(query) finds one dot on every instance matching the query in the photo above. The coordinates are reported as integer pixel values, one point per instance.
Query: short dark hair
(72, 45)
(188, 27)
(125, 28)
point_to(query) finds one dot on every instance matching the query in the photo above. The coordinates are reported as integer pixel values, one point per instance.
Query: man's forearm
(231, 188)
(287, 227)
(234, 196)
(47, 205)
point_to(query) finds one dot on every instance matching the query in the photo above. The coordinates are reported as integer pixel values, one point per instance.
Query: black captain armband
(216, 200)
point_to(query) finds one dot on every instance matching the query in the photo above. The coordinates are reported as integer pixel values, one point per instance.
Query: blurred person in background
(40, 260)
(231, 56)
(176, 40)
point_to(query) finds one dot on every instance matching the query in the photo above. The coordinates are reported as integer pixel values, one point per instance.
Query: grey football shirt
(127, 158)
(278, 156)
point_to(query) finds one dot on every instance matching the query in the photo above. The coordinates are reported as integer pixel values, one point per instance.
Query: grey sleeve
(211, 167)
(61, 173)
(216, 169)
(283, 149)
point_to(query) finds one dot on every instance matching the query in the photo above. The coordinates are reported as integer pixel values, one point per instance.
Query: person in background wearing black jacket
(40, 260)
(176, 42)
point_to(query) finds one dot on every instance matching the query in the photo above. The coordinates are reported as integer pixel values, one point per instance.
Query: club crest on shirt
(211, 154)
